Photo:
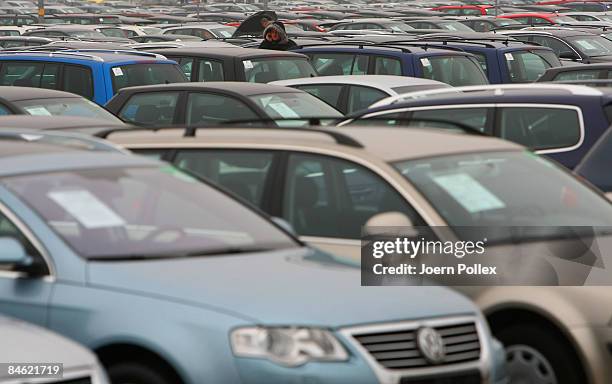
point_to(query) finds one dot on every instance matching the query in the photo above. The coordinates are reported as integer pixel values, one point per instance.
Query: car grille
(466, 378)
(83, 380)
(398, 349)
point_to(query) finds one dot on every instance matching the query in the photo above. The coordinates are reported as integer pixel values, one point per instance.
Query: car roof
(386, 143)
(226, 52)
(11, 93)
(237, 87)
(561, 31)
(376, 81)
(418, 46)
(86, 55)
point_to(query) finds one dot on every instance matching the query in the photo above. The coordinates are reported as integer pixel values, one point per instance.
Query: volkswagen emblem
(431, 345)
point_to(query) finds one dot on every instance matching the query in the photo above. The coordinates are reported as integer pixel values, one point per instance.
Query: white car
(28, 344)
(351, 93)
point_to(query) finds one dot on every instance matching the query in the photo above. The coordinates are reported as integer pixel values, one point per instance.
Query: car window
(556, 45)
(72, 106)
(524, 66)
(4, 110)
(387, 66)
(472, 12)
(9, 229)
(294, 105)
(362, 97)
(333, 64)
(245, 173)
(596, 165)
(210, 108)
(582, 74)
(209, 70)
(132, 75)
(156, 108)
(331, 197)
(592, 45)
(50, 76)
(482, 60)
(454, 70)
(474, 117)
(78, 79)
(186, 64)
(20, 74)
(540, 128)
(328, 93)
(265, 71)
(539, 21)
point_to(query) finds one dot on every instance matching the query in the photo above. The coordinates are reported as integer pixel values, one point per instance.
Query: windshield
(398, 27)
(592, 45)
(605, 18)
(504, 22)
(294, 106)
(505, 189)
(267, 70)
(146, 74)
(143, 213)
(455, 26)
(223, 32)
(454, 70)
(85, 33)
(563, 19)
(66, 107)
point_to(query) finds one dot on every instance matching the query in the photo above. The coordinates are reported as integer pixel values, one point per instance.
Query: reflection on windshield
(66, 107)
(144, 213)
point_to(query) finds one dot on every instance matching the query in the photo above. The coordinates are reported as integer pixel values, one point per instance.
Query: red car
(535, 18)
(466, 10)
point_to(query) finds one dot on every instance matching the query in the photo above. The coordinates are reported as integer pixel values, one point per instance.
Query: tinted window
(208, 108)
(596, 165)
(330, 197)
(454, 70)
(49, 76)
(540, 128)
(78, 80)
(265, 71)
(556, 45)
(339, 64)
(4, 110)
(474, 117)
(146, 74)
(387, 66)
(156, 108)
(8, 229)
(209, 70)
(186, 64)
(524, 67)
(592, 45)
(583, 74)
(362, 97)
(243, 172)
(20, 74)
(328, 93)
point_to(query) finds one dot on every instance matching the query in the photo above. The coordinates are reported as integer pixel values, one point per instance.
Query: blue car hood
(297, 286)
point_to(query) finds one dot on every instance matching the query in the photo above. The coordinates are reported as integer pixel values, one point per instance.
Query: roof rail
(54, 53)
(360, 44)
(497, 88)
(457, 125)
(122, 51)
(421, 44)
(338, 137)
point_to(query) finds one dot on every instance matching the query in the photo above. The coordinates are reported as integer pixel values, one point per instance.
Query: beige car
(329, 184)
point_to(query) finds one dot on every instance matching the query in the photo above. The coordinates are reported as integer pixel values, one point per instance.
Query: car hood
(294, 286)
(23, 342)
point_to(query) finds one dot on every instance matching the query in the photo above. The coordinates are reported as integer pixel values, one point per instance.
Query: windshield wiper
(178, 255)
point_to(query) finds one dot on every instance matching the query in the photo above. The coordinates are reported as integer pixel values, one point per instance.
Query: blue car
(450, 66)
(94, 74)
(559, 121)
(172, 281)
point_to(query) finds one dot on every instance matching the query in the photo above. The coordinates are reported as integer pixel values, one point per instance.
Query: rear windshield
(146, 74)
(66, 107)
(454, 70)
(266, 70)
(592, 45)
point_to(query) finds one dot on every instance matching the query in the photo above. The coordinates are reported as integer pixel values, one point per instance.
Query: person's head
(272, 34)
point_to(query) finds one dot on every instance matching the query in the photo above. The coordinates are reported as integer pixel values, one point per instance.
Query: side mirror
(569, 55)
(284, 224)
(379, 224)
(13, 253)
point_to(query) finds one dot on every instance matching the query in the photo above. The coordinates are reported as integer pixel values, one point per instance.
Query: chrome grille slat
(398, 349)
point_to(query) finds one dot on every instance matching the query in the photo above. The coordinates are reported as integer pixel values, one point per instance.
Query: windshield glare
(66, 107)
(265, 71)
(146, 74)
(454, 70)
(592, 45)
(505, 189)
(294, 106)
(143, 212)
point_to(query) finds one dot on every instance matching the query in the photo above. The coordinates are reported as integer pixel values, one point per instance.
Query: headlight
(287, 346)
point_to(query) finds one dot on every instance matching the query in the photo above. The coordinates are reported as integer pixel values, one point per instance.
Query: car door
(21, 295)
(328, 200)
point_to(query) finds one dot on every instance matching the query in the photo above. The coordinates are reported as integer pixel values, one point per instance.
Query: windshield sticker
(37, 111)
(283, 110)
(509, 56)
(468, 192)
(425, 61)
(248, 64)
(117, 71)
(87, 209)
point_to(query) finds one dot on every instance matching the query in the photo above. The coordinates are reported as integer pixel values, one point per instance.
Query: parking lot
(309, 191)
